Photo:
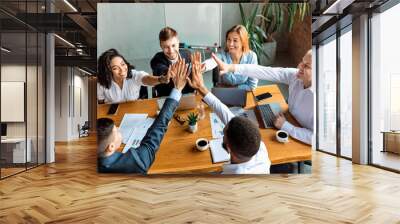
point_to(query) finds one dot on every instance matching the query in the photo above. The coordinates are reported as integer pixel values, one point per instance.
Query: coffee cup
(282, 136)
(202, 144)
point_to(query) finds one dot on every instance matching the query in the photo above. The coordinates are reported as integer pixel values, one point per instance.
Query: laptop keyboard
(267, 115)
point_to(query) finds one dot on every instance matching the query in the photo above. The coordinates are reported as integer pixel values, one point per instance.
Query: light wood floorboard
(71, 191)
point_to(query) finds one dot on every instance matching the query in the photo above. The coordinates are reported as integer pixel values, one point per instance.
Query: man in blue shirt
(138, 160)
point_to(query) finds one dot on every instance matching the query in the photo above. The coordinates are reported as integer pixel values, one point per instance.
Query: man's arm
(301, 134)
(197, 83)
(280, 75)
(145, 153)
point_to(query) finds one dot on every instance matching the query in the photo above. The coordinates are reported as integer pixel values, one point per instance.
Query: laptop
(267, 112)
(230, 96)
(187, 102)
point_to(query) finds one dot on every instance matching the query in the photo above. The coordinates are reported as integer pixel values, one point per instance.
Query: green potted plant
(273, 18)
(192, 119)
(279, 17)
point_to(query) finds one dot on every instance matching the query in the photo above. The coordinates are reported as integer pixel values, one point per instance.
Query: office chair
(143, 93)
(215, 76)
(84, 130)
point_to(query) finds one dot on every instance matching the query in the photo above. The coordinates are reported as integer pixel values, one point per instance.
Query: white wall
(70, 84)
(15, 72)
(133, 28)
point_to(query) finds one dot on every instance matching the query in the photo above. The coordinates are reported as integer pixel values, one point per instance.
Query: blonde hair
(244, 37)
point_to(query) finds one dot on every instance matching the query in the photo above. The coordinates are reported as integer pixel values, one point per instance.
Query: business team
(120, 82)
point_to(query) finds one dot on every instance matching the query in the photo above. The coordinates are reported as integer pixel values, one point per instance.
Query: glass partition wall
(22, 87)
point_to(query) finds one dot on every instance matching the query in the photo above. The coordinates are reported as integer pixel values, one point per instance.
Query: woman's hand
(223, 67)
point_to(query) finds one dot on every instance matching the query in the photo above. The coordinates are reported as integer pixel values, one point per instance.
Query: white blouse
(129, 92)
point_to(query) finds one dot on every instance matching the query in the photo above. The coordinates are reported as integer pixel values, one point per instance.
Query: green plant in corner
(192, 118)
(273, 18)
(274, 15)
(256, 33)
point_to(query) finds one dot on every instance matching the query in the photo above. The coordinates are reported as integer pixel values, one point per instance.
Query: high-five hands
(223, 67)
(164, 79)
(197, 81)
(179, 73)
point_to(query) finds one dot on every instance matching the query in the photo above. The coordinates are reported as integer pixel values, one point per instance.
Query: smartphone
(113, 109)
(263, 96)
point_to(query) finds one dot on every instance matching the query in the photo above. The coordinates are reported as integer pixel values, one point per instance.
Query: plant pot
(270, 49)
(192, 128)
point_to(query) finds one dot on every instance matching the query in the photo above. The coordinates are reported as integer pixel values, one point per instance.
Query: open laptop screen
(230, 96)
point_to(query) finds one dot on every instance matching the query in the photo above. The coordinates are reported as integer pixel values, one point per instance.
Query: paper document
(217, 127)
(218, 153)
(128, 123)
(138, 134)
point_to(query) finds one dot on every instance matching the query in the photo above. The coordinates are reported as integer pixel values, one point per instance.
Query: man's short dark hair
(243, 137)
(167, 33)
(104, 128)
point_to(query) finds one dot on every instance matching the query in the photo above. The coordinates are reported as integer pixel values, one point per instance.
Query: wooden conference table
(177, 153)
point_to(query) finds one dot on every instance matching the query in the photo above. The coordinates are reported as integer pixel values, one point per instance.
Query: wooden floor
(387, 159)
(71, 191)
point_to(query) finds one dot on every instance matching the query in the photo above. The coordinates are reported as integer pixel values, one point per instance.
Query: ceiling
(76, 22)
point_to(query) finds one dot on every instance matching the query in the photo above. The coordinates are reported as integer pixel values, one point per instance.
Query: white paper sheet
(128, 123)
(217, 127)
(218, 153)
(138, 134)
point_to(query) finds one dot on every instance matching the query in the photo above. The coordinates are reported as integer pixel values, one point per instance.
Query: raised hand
(165, 78)
(223, 67)
(180, 73)
(197, 81)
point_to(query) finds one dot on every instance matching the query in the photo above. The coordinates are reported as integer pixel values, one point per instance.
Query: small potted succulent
(192, 119)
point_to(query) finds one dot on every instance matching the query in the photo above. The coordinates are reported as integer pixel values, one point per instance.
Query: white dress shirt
(259, 163)
(301, 101)
(129, 92)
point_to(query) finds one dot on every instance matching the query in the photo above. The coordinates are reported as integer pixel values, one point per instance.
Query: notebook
(218, 153)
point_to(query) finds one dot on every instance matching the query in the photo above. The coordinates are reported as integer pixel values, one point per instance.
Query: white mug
(200, 145)
(282, 136)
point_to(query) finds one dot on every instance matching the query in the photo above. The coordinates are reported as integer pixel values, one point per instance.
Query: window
(385, 85)
(327, 96)
(346, 93)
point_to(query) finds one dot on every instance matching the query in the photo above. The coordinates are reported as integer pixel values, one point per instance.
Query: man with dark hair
(138, 160)
(242, 138)
(248, 143)
(170, 54)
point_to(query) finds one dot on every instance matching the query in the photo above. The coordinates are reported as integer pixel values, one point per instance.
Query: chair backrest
(215, 76)
(143, 93)
(85, 126)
